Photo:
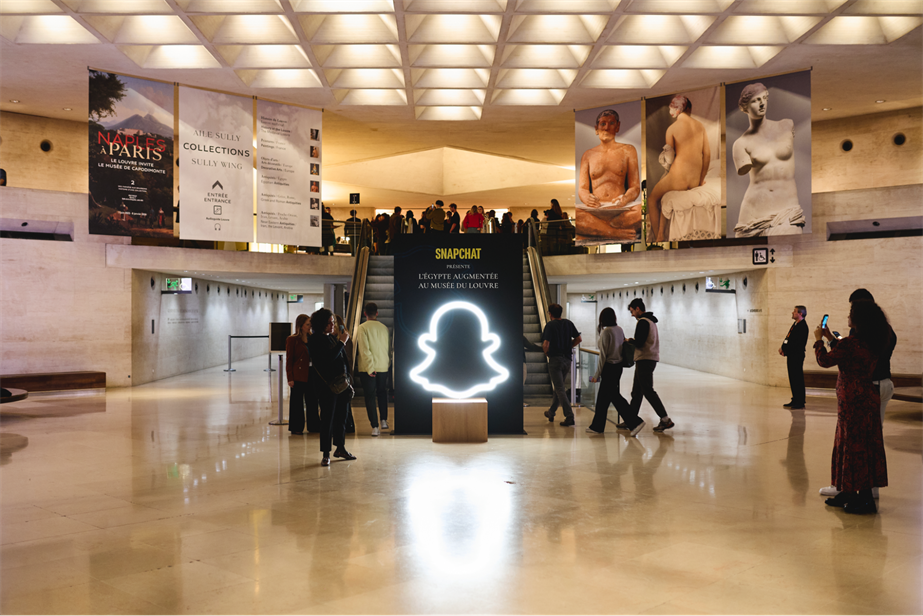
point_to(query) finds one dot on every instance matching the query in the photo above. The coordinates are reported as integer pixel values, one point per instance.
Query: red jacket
(297, 359)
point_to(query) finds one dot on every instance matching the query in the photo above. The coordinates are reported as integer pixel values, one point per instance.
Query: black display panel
(472, 285)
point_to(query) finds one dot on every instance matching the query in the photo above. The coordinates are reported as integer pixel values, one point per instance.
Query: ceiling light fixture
(879, 101)
(13, 100)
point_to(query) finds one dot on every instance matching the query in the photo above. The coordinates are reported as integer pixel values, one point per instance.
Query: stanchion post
(280, 421)
(573, 380)
(229, 356)
(270, 368)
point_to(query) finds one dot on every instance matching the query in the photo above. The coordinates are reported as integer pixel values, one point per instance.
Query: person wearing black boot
(328, 354)
(858, 462)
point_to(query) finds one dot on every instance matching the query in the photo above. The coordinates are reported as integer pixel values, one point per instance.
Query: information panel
(130, 156)
(289, 165)
(215, 166)
(458, 327)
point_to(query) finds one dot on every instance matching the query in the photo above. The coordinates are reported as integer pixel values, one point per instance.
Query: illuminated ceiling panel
(264, 56)
(454, 6)
(237, 6)
(451, 98)
(528, 97)
(864, 30)
(783, 7)
(370, 97)
(116, 7)
(535, 78)
(545, 56)
(571, 6)
(170, 56)
(343, 6)
(358, 56)
(621, 79)
(660, 29)
(29, 7)
(376, 78)
(573, 29)
(452, 28)
(718, 56)
(885, 7)
(280, 78)
(449, 77)
(673, 6)
(246, 29)
(45, 29)
(638, 56)
(762, 29)
(333, 29)
(144, 30)
(452, 56)
(452, 114)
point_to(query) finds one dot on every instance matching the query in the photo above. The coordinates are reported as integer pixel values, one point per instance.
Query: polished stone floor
(178, 497)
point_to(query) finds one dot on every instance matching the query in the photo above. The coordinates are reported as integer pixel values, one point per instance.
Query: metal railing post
(280, 421)
(229, 356)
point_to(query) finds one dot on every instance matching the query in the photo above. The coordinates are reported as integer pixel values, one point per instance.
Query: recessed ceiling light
(13, 100)
(828, 108)
(879, 101)
(67, 108)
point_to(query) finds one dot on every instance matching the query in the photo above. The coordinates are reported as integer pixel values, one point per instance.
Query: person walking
(793, 349)
(328, 352)
(610, 338)
(558, 341)
(647, 354)
(372, 344)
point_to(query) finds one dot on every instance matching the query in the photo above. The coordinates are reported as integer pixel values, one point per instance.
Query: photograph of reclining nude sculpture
(683, 172)
(608, 203)
(769, 156)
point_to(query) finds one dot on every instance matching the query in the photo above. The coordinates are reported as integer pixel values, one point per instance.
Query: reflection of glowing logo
(486, 336)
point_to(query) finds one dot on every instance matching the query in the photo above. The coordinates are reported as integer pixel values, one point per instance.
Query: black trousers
(795, 365)
(375, 388)
(608, 393)
(333, 409)
(302, 408)
(643, 387)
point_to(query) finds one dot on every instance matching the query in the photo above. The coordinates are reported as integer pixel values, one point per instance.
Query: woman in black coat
(328, 358)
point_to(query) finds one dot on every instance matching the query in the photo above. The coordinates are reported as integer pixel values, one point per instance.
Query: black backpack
(628, 355)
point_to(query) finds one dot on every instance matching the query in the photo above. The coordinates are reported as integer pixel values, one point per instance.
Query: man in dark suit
(793, 349)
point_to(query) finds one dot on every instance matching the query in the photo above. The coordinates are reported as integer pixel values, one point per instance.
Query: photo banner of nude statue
(288, 162)
(608, 202)
(215, 166)
(683, 166)
(130, 169)
(768, 127)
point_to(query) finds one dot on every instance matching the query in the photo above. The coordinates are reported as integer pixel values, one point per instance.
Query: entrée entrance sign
(458, 327)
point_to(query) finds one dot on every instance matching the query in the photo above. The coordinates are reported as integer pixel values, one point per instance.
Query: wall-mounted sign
(588, 298)
(719, 284)
(354, 198)
(458, 327)
(760, 256)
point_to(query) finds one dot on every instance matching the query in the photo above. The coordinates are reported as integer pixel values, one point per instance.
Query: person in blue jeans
(558, 341)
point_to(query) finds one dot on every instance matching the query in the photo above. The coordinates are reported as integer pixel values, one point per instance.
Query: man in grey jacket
(647, 354)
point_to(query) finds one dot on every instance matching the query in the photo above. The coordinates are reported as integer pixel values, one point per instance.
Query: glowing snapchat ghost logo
(486, 336)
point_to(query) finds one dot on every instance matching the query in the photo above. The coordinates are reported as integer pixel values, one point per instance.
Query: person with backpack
(610, 342)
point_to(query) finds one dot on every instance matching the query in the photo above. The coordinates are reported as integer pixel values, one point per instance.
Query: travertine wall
(190, 332)
(63, 168)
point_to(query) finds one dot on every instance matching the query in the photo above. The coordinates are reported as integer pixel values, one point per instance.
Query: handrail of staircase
(357, 288)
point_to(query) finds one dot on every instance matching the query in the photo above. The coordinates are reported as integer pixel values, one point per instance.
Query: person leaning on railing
(474, 220)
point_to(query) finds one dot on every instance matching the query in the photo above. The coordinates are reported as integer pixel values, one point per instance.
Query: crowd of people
(320, 355)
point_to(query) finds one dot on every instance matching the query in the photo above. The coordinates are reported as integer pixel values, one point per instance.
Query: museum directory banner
(215, 166)
(768, 128)
(458, 322)
(288, 159)
(683, 165)
(130, 170)
(609, 200)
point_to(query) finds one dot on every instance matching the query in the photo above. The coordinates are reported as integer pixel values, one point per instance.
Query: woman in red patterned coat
(858, 450)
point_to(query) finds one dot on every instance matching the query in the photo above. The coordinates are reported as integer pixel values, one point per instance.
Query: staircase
(379, 288)
(538, 384)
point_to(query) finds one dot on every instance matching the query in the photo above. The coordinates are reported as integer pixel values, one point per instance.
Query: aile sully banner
(130, 156)
(289, 174)
(215, 166)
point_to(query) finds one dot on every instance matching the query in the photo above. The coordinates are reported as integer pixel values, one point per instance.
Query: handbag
(338, 385)
(628, 355)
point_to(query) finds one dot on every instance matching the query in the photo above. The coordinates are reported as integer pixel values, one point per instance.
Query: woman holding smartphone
(328, 352)
(608, 371)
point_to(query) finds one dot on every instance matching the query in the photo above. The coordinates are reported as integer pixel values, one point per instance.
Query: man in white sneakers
(372, 347)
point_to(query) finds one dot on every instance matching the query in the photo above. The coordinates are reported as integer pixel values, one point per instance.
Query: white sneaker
(375, 432)
(829, 491)
(384, 424)
(636, 429)
(592, 431)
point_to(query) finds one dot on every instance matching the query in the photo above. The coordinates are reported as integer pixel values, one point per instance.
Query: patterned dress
(858, 449)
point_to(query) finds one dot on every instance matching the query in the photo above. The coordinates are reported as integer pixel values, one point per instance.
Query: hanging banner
(769, 156)
(608, 201)
(683, 166)
(215, 166)
(130, 156)
(288, 165)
